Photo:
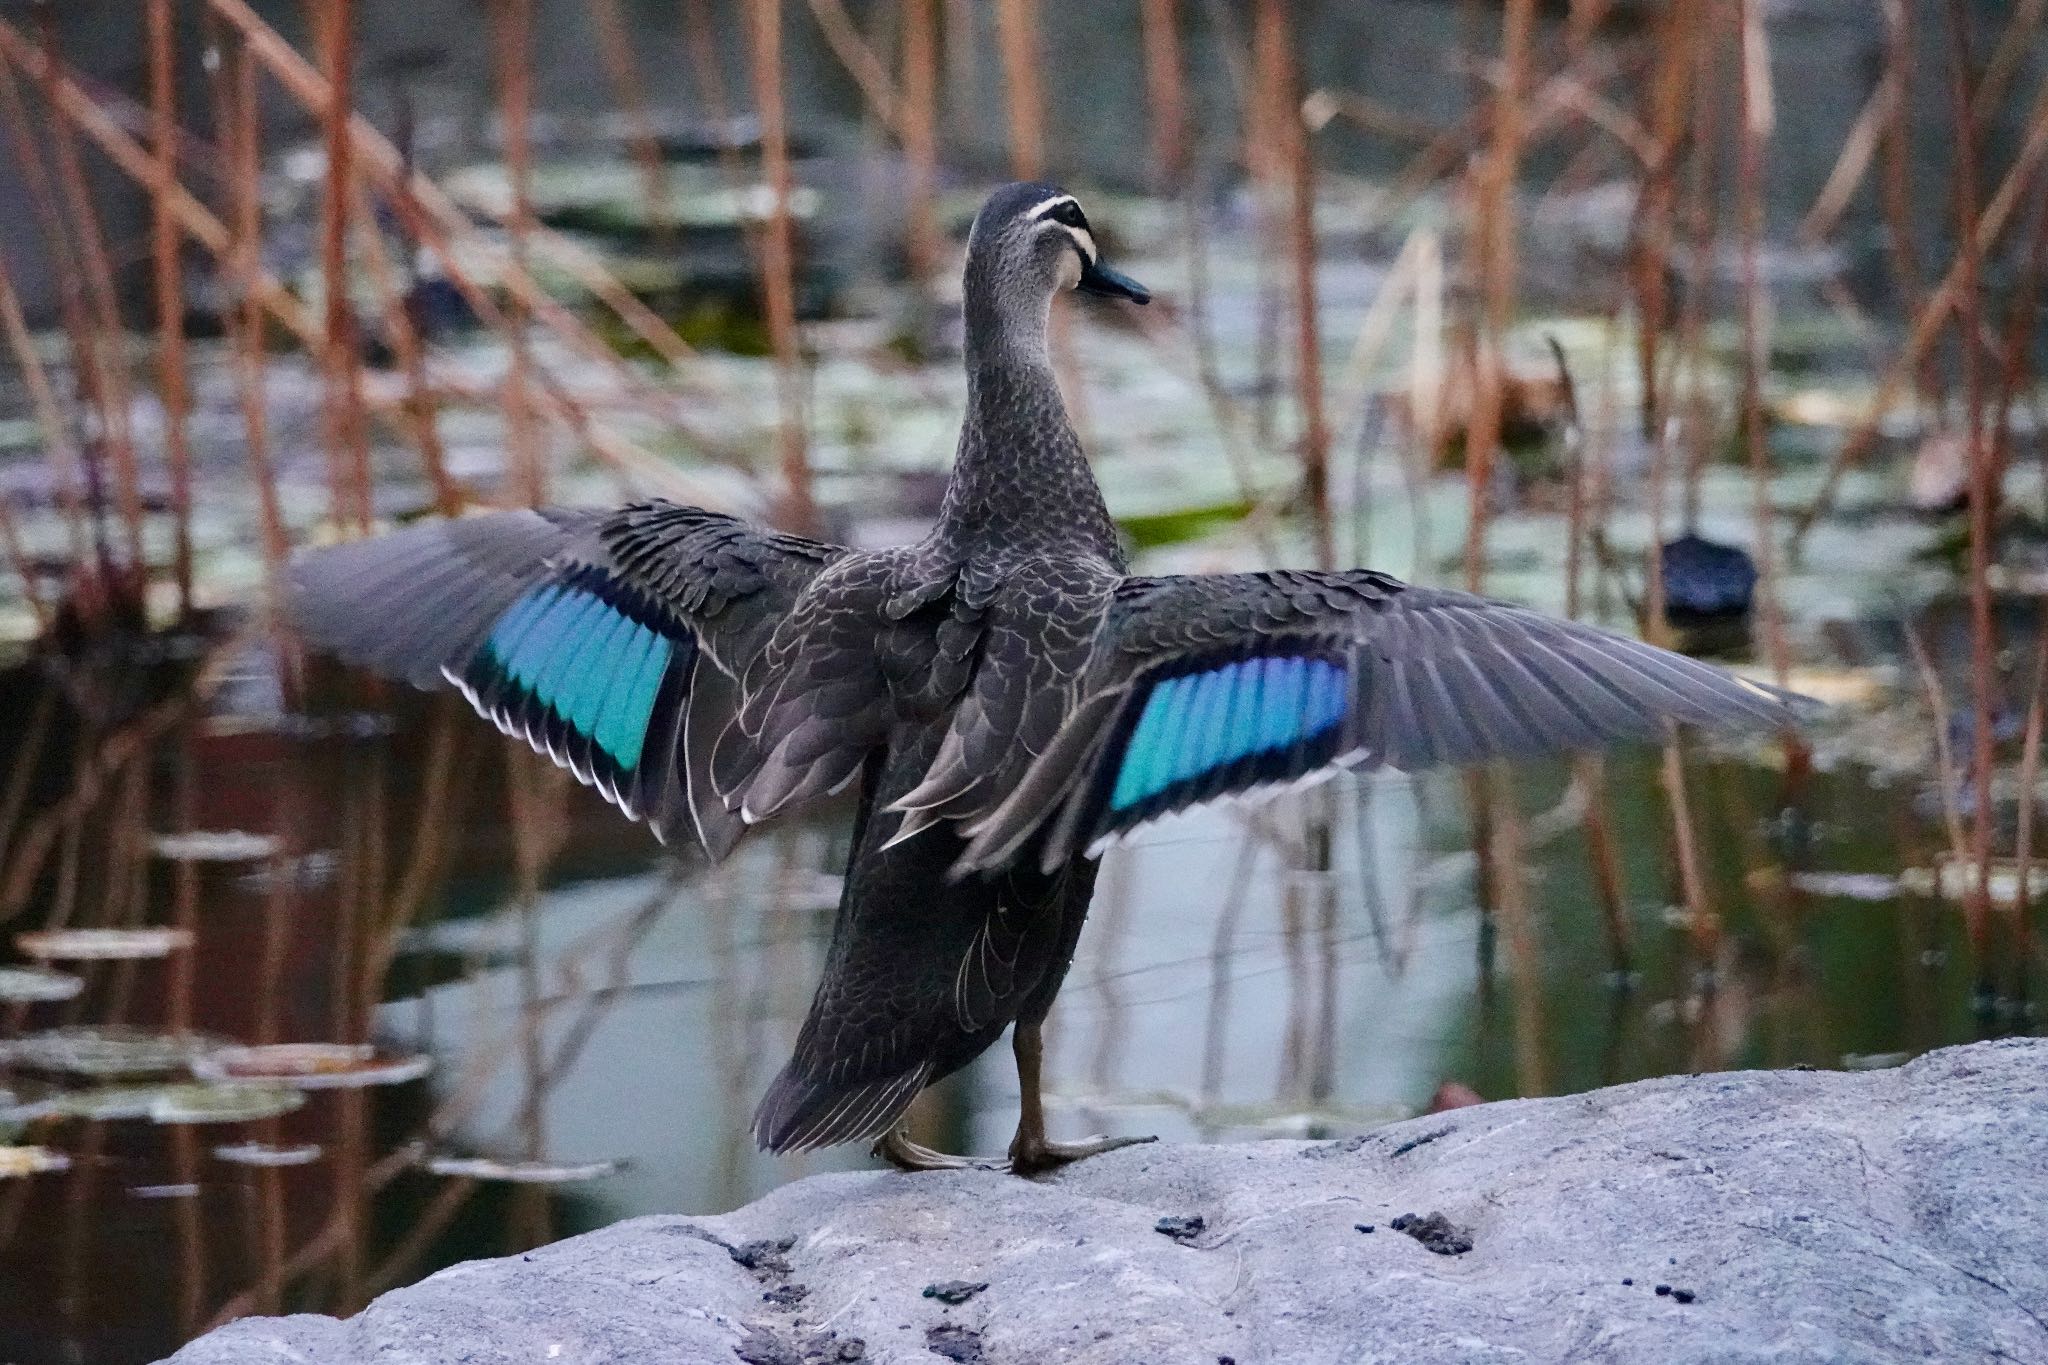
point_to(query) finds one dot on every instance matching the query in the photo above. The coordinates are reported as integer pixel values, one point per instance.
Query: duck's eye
(1070, 214)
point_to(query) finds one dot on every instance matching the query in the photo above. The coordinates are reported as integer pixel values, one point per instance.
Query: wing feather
(1208, 686)
(590, 634)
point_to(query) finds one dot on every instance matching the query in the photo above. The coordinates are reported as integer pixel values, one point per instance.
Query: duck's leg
(896, 1148)
(1031, 1152)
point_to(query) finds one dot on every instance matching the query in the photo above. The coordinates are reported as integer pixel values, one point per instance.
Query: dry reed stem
(1670, 105)
(1757, 121)
(239, 95)
(1970, 307)
(172, 388)
(56, 431)
(410, 346)
(512, 34)
(1692, 879)
(843, 36)
(622, 69)
(1590, 770)
(1023, 97)
(1944, 756)
(1932, 317)
(778, 265)
(1495, 206)
(2014, 46)
(348, 453)
(2023, 838)
(1165, 93)
(1853, 163)
(1517, 918)
(1280, 84)
(920, 135)
(105, 339)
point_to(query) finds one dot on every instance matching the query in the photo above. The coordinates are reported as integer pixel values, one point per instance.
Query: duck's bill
(1097, 278)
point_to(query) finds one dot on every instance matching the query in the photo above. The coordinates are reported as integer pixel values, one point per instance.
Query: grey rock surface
(1793, 1216)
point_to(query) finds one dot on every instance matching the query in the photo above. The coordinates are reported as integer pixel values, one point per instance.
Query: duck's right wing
(1211, 685)
(609, 640)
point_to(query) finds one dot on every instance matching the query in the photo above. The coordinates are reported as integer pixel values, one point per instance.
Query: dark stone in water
(1706, 581)
(436, 307)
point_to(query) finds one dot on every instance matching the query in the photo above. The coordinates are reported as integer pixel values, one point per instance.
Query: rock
(1787, 1216)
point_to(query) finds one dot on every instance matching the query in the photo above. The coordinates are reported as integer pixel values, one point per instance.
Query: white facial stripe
(1082, 238)
(1040, 210)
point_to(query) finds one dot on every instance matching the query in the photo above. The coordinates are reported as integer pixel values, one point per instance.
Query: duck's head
(1030, 241)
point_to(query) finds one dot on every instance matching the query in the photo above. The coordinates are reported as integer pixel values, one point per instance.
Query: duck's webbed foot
(896, 1148)
(1032, 1153)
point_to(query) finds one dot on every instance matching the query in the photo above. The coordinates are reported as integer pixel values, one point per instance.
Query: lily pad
(16, 1162)
(310, 1066)
(521, 1172)
(213, 846)
(106, 1102)
(33, 984)
(267, 1154)
(112, 1051)
(1955, 879)
(222, 1103)
(102, 945)
(182, 1190)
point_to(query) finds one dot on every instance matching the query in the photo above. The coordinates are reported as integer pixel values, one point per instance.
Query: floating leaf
(310, 1066)
(267, 1154)
(36, 984)
(1853, 886)
(106, 1102)
(111, 1051)
(102, 945)
(1953, 879)
(24, 1103)
(213, 846)
(222, 1103)
(186, 1190)
(16, 1162)
(521, 1172)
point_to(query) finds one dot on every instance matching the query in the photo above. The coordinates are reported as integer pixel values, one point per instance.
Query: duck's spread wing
(1209, 685)
(607, 639)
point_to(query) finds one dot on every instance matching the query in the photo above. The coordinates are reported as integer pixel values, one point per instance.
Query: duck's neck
(1020, 477)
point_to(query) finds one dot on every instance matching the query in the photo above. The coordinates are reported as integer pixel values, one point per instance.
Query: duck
(1005, 696)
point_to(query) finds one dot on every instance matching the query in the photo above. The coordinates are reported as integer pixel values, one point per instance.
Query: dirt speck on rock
(765, 1256)
(1436, 1233)
(954, 1291)
(962, 1345)
(1181, 1227)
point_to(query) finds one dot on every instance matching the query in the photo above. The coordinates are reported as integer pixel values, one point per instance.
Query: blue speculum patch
(1196, 723)
(590, 662)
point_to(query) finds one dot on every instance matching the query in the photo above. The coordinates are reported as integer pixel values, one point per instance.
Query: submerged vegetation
(1687, 318)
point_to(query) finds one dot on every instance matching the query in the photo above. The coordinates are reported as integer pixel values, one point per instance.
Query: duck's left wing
(610, 640)
(1208, 685)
